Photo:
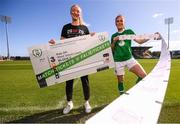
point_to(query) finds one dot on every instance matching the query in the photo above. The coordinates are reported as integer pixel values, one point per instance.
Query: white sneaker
(87, 107)
(68, 108)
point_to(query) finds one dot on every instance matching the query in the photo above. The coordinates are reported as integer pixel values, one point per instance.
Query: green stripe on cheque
(74, 60)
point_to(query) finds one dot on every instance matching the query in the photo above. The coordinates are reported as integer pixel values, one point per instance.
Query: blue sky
(37, 21)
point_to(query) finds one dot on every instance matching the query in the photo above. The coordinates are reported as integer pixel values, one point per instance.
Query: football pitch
(21, 99)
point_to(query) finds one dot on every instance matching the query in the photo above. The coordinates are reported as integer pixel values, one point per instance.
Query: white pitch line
(28, 108)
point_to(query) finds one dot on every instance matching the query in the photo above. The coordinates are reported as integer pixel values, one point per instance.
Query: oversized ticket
(133, 37)
(71, 58)
(142, 103)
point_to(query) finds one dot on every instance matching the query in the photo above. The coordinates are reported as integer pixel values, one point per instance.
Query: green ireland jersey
(122, 49)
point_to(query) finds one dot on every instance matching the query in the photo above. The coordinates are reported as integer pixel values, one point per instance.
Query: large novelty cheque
(71, 58)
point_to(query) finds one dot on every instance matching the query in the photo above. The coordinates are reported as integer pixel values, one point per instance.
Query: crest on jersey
(121, 43)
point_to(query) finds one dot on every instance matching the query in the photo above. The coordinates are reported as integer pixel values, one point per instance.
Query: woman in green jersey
(123, 55)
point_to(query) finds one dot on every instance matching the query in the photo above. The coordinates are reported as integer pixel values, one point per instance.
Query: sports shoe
(87, 107)
(68, 108)
(121, 92)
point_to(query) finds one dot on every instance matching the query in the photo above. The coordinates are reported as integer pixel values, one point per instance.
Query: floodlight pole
(168, 34)
(7, 20)
(8, 55)
(169, 21)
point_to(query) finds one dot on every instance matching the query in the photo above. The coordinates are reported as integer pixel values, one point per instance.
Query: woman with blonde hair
(122, 53)
(74, 29)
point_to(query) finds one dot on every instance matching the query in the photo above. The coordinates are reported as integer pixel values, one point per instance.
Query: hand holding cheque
(72, 58)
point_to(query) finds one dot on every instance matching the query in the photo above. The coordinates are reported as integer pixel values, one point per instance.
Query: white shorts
(120, 66)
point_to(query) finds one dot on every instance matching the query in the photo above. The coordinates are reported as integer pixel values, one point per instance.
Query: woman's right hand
(52, 41)
(116, 39)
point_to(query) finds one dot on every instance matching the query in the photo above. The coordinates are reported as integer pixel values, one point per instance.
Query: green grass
(21, 99)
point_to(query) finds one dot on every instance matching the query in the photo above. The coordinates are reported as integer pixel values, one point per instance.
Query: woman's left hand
(159, 36)
(92, 34)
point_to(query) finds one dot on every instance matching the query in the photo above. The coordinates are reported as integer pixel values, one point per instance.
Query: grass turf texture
(21, 99)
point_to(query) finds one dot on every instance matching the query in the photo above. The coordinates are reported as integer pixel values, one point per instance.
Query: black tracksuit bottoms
(85, 85)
